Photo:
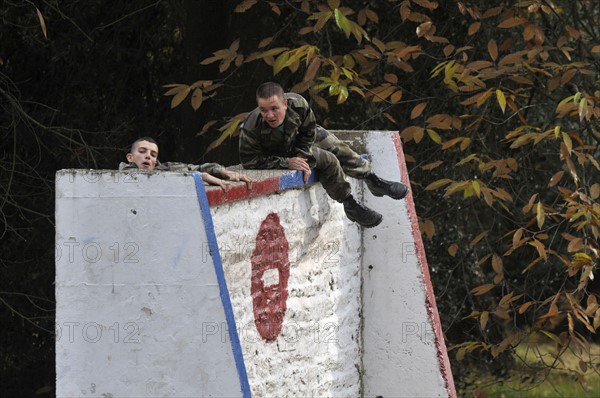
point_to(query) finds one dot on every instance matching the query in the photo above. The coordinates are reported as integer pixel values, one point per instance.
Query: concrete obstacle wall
(166, 287)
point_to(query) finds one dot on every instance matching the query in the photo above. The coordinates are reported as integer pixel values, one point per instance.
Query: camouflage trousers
(333, 159)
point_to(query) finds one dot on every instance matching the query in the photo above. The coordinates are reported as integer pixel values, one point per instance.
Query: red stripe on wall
(217, 196)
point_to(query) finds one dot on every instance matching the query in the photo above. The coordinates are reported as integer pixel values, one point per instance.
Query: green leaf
(455, 187)
(280, 62)
(342, 22)
(435, 137)
(343, 95)
(439, 68)
(467, 159)
(476, 187)
(552, 336)
(438, 184)
(231, 128)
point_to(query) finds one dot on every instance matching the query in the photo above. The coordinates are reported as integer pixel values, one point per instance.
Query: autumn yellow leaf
(440, 121)
(430, 5)
(333, 4)
(531, 264)
(568, 142)
(498, 278)
(517, 238)
(540, 215)
(497, 263)
(245, 6)
(197, 98)
(391, 78)
(479, 290)
(433, 165)
(42, 22)
(493, 49)
(511, 22)
(501, 99)
(265, 42)
(390, 118)
(449, 49)
(478, 238)
(180, 96)
(473, 28)
(453, 249)
(556, 178)
(418, 110)
(311, 71)
(483, 319)
(410, 132)
(595, 191)
(541, 249)
(460, 354)
(429, 228)
(396, 97)
(424, 29)
(383, 94)
(524, 307)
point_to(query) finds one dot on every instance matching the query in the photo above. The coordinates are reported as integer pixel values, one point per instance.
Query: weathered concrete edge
(277, 181)
(430, 303)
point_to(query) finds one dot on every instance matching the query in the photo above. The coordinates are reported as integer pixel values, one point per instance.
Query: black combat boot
(363, 215)
(379, 187)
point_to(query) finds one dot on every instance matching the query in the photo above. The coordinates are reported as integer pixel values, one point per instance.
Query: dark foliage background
(77, 99)
(80, 84)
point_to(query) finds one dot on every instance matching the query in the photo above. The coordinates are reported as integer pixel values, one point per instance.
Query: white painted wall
(133, 286)
(317, 353)
(399, 353)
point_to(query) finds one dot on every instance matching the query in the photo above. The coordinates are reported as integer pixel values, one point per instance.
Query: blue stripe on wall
(296, 179)
(216, 256)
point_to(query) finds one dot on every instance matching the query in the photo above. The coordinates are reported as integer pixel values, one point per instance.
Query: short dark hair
(149, 139)
(268, 90)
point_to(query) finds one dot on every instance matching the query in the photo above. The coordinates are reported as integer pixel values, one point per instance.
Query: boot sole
(379, 195)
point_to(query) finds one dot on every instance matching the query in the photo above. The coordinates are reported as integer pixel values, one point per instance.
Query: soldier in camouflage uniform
(144, 156)
(282, 133)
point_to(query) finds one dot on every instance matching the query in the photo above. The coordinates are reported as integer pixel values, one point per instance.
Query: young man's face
(144, 155)
(272, 110)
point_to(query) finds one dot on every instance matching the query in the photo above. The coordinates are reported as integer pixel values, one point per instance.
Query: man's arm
(306, 131)
(214, 169)
(252, 157)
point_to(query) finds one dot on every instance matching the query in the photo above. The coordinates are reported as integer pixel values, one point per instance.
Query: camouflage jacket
(213, 169)
(262, 147)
